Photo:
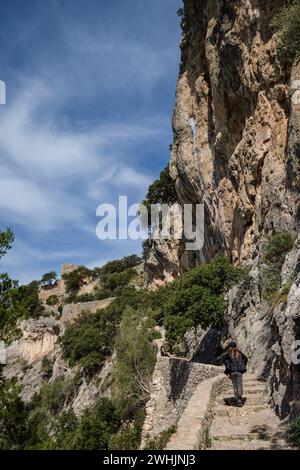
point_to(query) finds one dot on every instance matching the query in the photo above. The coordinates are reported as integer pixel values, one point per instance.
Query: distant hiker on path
(235, 366)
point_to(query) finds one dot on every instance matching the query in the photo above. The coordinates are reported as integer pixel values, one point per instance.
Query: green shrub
(116, 280)
(16, 303)
(162, 191)
(47, 368)
(287, 25)
(74, 280)
(13, 416)
(95, 427)
(10, 309)
(89, 340)
(159, 442)
(6, 241)
(294, 431)
(197, 298)
(48, 279)
(135, 359)
(52, 396)
(52, 300)
(281, 296)
(118, 266)
(274, 252)
(29, 302)
(127, 438)
(64, 428)
(45, 411)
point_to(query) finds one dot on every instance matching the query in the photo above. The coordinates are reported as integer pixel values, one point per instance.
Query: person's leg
(239, 381)
(240, 385)
(234, 379)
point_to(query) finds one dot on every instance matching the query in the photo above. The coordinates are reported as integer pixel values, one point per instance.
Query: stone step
(247, 386)
(251, 399)
(254, 381)
(253, 426)
(229, 411)
(236, 437)
(253, 444)
(263, 422)
(251, 391)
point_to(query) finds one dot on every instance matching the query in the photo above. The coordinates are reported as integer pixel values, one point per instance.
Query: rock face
(236, 149)
(72, 311)
(40, 340)
(236, 132)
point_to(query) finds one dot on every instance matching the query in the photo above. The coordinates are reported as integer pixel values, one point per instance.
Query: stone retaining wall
(196, 418)
(174, 383)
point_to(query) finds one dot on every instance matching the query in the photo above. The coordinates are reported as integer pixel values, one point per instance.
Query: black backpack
(235, 365)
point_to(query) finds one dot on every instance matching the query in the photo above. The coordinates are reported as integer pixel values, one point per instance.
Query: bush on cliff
(162, 191)
(197, 298)
(287, 25)
(13, 416)
(28, 299)
(15, 302)
(115, 280)
(118, 266)
(95, 428)
(48, 279)
(52, 300)
(89, 340)
(75, 279)
(275, 250)
(135, 358)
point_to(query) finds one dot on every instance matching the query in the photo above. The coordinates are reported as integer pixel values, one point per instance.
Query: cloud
(48, 172)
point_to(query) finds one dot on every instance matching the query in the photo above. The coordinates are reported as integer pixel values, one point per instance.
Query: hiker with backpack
(235, 366)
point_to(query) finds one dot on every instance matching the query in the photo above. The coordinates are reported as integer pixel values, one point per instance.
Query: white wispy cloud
(47, 170)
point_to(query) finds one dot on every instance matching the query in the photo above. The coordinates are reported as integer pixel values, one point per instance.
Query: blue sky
(90, 92)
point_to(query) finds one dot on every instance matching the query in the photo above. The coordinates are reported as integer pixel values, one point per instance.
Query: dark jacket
(235, 365)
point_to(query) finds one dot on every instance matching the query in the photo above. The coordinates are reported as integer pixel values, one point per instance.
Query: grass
(207, 439)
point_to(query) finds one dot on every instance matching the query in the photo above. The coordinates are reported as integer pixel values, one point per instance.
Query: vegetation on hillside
(160, 442)
(197, 298)
(15, 302)
(75, 279)
(118, 266)
(128, 328)
(89, 340)
(13, 414)
(162, 191)
(275, 250)
(112, 277)
(48, 279)
(287, 26)
(52, 300)
(136, 357)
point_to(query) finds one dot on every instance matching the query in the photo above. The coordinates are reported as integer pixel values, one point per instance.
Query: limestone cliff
(236, 149)
(236, 132)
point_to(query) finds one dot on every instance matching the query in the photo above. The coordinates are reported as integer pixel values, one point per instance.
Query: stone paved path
(253, 427)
